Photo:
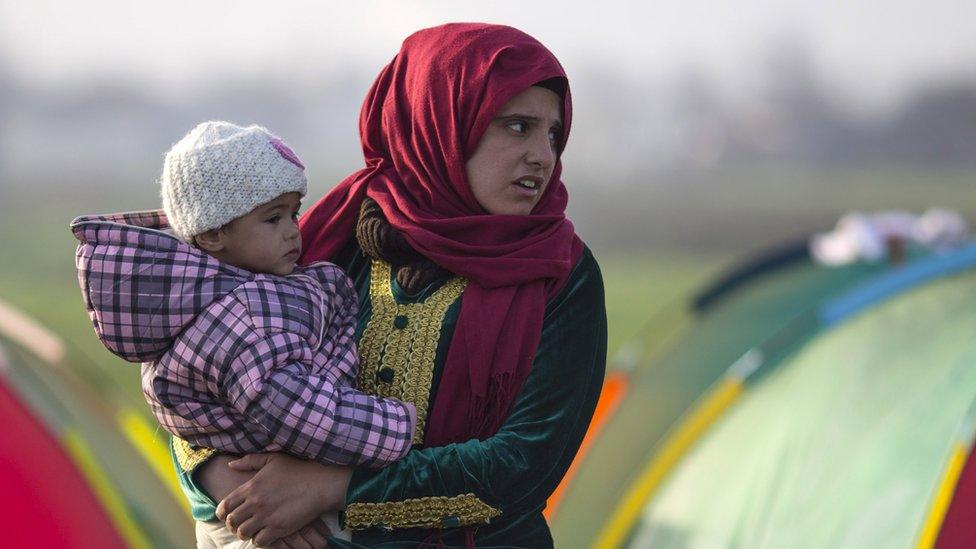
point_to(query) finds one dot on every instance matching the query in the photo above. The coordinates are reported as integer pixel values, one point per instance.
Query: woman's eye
(554, 136)
(518, 126)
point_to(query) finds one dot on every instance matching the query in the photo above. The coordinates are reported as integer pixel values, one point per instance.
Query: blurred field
(38, 277)
(659, 245)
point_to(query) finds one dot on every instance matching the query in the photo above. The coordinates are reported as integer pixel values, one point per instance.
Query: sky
(872, 49)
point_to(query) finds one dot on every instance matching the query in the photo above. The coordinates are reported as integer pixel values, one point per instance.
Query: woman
(479, 304)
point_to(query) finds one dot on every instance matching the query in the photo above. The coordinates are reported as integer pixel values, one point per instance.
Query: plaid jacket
(233, 360)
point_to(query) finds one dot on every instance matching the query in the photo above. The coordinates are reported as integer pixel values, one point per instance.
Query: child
(243, 351)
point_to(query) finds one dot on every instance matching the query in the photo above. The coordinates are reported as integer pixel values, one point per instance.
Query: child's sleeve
(339, 335)
(311, 416)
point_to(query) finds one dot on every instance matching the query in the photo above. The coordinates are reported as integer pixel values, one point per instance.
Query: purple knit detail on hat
(285, 152)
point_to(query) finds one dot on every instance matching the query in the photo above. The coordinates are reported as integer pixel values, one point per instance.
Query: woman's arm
(220, 480)
(514, 471)
(517, 469)
(259, 507)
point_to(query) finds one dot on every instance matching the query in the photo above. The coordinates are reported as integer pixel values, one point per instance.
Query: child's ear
(211, 241)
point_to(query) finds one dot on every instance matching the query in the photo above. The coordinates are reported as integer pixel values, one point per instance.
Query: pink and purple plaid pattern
(233, 360)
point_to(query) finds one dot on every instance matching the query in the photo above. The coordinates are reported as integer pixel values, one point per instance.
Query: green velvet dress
(493, 489)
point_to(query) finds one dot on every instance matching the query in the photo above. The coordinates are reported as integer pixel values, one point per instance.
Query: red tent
(46, 500)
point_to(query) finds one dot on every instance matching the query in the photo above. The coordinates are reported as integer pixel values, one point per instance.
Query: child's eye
(294, 216)
(273, 219)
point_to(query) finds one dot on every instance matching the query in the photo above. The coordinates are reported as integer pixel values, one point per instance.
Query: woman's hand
(312, 536)
(285, 494)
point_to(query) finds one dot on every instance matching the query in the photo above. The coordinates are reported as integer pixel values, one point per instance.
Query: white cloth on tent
(865, 237)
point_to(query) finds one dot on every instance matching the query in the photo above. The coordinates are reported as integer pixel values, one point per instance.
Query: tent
(773, 349)
(70, 477)
(48, 503)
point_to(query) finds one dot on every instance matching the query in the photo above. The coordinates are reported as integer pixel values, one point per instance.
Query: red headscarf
(421, 120)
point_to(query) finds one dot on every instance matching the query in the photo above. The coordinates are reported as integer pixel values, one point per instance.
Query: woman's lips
(528, 185)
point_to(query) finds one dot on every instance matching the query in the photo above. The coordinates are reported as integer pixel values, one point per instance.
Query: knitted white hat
(221, 171)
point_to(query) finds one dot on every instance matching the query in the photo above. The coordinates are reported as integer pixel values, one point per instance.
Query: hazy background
(698, 125)
(702, 130)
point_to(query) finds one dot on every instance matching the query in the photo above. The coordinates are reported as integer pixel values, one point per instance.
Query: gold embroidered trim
(430, 512)
(410, 350)
(188, 456)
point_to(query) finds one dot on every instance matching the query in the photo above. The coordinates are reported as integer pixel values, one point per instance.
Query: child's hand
(285, 494)
(218, 480)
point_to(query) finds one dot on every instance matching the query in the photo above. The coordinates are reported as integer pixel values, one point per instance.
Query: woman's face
(513, 162)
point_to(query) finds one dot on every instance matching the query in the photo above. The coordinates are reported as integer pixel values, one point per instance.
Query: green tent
(795, 401)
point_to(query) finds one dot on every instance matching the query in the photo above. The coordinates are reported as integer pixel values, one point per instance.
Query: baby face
(266, 240)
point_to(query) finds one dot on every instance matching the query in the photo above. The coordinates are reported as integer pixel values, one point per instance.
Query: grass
(42, 282)
(37, 272)
(649, 287)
